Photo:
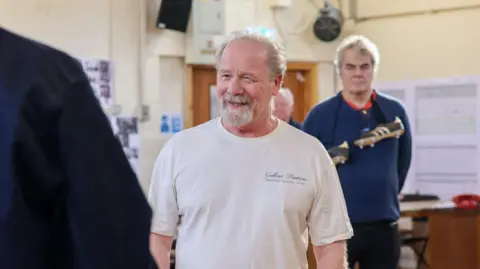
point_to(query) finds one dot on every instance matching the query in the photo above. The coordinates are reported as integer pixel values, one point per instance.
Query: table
(454, 234)
(418, 209)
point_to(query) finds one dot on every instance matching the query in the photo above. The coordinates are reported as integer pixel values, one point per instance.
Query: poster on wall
(126, 131)
(214, 105)
(171, 123)
(100, 75)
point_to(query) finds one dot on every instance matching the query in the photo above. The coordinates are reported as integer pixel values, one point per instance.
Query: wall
(432, 44)
(422, 39)
(91, 29)
(149, 63)
(169, 49)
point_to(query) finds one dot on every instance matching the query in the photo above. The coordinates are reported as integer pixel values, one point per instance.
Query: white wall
(426, 45)
(91, 29)
(148, 65)
(419, 46)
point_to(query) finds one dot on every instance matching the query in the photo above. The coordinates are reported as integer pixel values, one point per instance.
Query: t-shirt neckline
(278, 129)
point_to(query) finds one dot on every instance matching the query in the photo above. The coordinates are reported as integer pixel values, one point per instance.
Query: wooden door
(295, 81)
(204, 79)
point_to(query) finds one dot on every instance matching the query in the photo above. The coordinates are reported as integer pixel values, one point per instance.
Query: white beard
(238, 117)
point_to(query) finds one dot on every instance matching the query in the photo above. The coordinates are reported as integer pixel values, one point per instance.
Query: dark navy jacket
(372, 177)
(295, 124)
(68, 196)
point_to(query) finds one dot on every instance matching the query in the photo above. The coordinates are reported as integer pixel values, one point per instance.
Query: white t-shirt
(246, 203)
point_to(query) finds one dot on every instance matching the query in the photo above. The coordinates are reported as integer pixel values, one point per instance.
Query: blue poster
(171, 123)
(164, 125)
(176, 123)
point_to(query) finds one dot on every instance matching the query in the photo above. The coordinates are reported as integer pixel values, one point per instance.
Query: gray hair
(287, 93)
(277, 59)
(363, 44)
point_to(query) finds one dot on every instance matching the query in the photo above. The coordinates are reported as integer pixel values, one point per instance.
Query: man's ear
(277, 84)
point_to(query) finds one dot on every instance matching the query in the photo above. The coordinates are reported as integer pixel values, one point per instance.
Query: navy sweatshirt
(372, 177)
(69, 198)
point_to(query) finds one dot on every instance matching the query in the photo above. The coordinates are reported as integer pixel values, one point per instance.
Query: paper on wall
(214, 105)
(126, 130)
(100, 75)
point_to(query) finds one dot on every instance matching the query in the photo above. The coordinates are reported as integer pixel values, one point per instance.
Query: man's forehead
(250, 50)
(247, 44)
(357, 62)
(356, 57)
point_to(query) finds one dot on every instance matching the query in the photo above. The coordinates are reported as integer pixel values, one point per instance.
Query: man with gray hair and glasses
(375, 139)
(283, 107)
(236, 191)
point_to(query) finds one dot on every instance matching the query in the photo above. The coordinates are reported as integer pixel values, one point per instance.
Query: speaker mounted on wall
(174, 15)
(328, 25)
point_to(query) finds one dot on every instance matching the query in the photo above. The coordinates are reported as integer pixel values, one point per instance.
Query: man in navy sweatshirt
(376, 129)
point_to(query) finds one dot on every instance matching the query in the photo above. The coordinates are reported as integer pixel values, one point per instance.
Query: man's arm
(162, 197)
(160, 246)
(405, 152)
(328, 221)
(331, 256)
(108, 213)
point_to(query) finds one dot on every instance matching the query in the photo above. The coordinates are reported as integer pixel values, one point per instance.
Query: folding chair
(413, 241)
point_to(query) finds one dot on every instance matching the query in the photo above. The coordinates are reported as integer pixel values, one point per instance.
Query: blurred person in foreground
(235, 191)
(283, 107)
(68, 196)
(376, 129)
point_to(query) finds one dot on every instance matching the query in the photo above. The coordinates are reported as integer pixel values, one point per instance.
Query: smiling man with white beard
(235, 191)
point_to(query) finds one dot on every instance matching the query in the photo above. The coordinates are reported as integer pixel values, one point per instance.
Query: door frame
(311, 88)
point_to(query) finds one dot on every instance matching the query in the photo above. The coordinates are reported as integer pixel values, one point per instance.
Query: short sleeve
(161, 195)
(328, 220)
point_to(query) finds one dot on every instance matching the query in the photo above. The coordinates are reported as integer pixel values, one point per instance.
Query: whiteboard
(445, 118)
(446, 109)
(447, 136)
